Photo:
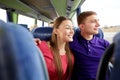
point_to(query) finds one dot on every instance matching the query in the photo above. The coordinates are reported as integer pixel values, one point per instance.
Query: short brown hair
(82, 16)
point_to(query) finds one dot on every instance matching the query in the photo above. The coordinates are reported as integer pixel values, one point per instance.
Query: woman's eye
(67, 28)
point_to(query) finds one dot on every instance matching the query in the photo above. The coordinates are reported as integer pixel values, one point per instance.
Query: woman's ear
(55, 31)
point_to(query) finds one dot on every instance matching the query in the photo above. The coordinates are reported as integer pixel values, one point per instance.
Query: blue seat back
(44, 33)
(113, 51)
(115, 74)
(100, 32)
(20, 59)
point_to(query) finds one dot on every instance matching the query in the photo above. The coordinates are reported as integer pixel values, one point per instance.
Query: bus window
(45, 24)
(3, 15)
(26, 20)
(39, 23)
(74, 20)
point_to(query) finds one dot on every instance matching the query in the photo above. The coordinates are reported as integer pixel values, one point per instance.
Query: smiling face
(65, 31)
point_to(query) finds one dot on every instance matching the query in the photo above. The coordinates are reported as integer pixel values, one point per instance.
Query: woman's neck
(61, 47)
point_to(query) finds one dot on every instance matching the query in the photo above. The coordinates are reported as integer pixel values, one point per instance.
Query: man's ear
(81, 26)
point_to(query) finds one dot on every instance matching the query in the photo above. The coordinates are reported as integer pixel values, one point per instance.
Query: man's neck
(87, 36)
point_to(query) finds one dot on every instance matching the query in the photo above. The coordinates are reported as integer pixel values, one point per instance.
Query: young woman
(58, 57)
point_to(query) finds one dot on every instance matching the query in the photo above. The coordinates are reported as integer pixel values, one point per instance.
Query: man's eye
(92, 21)
(67, 26)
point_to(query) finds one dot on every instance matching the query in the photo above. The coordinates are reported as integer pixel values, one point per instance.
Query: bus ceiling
(46, 10)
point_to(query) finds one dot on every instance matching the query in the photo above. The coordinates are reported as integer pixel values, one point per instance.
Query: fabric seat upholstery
(44, 33)
(20, 59)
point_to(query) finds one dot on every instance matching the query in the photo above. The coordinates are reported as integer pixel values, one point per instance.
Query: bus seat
(115, 74)
(100, 32)
(44, 33)
(20, 59)
(24, 25)
(113, 51)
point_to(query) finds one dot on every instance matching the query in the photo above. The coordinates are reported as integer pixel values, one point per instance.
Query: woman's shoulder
(45, 48)
(43, 45)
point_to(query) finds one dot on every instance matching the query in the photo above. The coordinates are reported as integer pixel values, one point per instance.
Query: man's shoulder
(102, 41)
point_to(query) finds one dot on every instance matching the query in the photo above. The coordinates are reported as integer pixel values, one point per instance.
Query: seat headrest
(20, 59)
(100, 32)
(116, 53)
(111, 53)
(44, 33)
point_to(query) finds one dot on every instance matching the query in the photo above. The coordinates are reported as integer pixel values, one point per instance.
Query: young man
(87, 48)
